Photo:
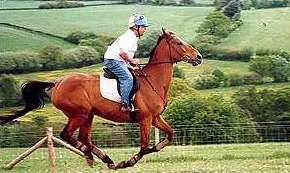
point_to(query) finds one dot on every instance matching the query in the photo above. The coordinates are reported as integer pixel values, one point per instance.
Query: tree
(213, 119)
(8, 90)
(229, 7)
(215, 24)
(51, 57)
(274, 66)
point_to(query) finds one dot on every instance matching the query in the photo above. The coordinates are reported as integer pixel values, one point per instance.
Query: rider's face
(142, 30)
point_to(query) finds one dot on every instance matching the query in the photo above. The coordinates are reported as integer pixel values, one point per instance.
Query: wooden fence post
(156, 136)
(51, 153)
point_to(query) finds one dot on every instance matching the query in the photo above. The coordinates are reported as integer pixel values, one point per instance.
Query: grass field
(182, 20)
(225, 158)
(107, 19)
(262, 29)
(15, 39)
(11, 4)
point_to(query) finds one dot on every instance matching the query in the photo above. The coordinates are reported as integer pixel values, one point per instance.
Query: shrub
(177, 72)
(273, 66)
(76, 36)
(80, 57)
(235, 80)
(19, 62)
(252, 79)
(9, 91)
(51, 57)
(60, 4)
(99, 43)
(219, 75)
(206, 81)
(213, 119)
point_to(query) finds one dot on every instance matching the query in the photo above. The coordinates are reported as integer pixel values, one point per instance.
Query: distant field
(265, 28)
(107, 19)
(12, 4)
(112, 20)
(223, 158)
(14, 39)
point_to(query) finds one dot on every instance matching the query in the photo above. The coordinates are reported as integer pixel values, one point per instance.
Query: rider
(121, 53)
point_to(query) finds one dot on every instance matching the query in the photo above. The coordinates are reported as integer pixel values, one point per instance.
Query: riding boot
(126, 107)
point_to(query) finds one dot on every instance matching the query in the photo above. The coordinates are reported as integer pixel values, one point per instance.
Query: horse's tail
(33, 93)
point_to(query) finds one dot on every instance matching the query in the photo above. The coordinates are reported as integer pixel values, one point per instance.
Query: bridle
(185, 58)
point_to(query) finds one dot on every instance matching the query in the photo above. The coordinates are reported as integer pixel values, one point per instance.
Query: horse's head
(180, 50)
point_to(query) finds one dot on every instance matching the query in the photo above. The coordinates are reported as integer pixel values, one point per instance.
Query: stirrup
(133, 109)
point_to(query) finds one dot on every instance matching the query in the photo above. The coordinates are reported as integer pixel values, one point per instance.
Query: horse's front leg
(144, 137)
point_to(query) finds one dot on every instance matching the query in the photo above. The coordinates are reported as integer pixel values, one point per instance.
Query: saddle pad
(108, 88)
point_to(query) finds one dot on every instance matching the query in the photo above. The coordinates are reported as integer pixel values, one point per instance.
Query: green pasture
(14, 4)
(262, 29)
(14, 39)
(107, 19)
(226, 158)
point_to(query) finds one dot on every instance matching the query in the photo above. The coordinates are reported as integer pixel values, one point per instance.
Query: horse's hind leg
(85, 137)
(67, 133)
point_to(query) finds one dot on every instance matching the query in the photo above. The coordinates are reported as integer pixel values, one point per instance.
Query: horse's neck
(160, 71)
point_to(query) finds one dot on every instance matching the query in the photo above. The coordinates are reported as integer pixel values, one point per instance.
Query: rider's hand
(135, 61)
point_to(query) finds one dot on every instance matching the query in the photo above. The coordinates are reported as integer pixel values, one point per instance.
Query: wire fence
(127, 135)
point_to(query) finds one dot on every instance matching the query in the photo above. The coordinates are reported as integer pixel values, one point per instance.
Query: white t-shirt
(127, 42)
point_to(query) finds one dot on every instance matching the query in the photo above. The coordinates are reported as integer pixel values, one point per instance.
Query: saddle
(110, 75)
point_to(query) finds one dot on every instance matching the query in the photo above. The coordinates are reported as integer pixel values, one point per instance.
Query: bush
(51, 57)
(80, 57)
(220, 75)
(177, 72)
(19, 62)
(9, 91)
(99, 43)
(273, 66)
(76, 36)
(214, 121)
(60, 4)
(235, 80)
(180, 88)
(207, 81)
(252, 79)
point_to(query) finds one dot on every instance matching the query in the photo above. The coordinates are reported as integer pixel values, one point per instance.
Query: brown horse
(78, 97)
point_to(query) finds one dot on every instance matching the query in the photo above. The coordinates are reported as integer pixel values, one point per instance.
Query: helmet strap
(137, 29)
(138, 32)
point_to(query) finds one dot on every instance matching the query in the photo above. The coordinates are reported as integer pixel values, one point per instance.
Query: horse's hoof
(90, 162)
(111, 166)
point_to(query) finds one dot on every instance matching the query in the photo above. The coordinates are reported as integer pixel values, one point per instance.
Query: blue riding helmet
(138, 20)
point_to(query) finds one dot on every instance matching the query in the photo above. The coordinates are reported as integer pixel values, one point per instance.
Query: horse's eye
(179, 43)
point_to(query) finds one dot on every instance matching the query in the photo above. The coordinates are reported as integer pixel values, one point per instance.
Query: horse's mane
(154, 48)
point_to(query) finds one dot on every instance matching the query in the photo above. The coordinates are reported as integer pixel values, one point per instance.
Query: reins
(156, 63)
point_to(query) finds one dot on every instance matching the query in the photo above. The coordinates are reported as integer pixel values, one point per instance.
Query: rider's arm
(128, 58)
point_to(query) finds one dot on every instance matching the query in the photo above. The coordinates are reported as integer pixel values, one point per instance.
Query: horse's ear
(163, 30)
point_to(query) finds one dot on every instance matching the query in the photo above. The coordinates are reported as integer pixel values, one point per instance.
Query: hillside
(264, 28)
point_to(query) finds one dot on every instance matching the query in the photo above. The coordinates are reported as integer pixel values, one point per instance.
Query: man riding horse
(121, 52)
